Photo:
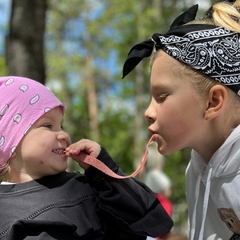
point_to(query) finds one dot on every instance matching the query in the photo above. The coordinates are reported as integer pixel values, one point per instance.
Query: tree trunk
(92, 101)
(25, 41)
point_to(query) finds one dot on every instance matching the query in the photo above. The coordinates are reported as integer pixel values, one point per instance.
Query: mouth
(59, 151)
(154, 137)
(152, 132)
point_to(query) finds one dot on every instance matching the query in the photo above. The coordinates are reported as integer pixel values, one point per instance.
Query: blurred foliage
(3, 68)
(175, 167)
(105, 30)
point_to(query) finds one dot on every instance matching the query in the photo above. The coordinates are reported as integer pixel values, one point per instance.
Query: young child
(195, 88)
(40, 200)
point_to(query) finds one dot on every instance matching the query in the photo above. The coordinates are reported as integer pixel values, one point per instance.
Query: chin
(164, 150)
(63, 168)
(60, 168)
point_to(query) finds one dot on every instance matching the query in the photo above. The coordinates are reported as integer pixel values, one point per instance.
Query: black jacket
(70, 206)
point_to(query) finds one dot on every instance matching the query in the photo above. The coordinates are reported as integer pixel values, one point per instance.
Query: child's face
(40, 152)
(175, 113)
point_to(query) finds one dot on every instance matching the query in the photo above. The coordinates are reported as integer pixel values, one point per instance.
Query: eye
(49, 126)
(162, 97)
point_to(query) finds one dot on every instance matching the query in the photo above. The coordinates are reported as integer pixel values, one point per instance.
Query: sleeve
(128, 203)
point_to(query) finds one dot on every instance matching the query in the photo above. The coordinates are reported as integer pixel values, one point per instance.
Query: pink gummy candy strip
(103, 168)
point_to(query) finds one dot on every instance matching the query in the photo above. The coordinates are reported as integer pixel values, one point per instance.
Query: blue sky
(4, 10)
(5, 7)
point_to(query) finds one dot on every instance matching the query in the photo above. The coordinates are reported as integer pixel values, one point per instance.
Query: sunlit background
(85, 46)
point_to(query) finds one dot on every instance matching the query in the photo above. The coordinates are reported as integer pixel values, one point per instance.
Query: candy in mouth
(59, 151)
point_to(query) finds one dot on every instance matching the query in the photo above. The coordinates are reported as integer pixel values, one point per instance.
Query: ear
(217, 99)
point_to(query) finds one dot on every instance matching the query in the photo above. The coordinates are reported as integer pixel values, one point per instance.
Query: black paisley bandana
(214, 51)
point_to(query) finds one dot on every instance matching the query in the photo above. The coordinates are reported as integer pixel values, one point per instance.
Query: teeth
(59, 151)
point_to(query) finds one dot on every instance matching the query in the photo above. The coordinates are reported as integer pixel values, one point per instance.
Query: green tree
(82, 36)
(82, 39)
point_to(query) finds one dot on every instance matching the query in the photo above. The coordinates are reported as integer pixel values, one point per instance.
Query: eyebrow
(160, 87)
(49, 118)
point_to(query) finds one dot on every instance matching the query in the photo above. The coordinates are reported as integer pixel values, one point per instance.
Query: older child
(195, 88)
(40, 200)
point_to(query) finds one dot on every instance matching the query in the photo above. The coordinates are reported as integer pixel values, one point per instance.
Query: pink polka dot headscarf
(22, 102)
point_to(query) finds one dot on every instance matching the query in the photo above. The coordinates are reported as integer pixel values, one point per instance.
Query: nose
(64, 136)
(150, 113)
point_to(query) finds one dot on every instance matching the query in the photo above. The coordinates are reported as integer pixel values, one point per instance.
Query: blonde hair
(227, 15)
(4, 172)
(203, 83)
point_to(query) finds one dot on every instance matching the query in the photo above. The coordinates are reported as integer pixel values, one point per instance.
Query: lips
(59, 151)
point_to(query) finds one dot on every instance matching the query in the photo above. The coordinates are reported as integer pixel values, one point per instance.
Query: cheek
(169, 115)
(37, 150)
(177, 121)
(41, 162)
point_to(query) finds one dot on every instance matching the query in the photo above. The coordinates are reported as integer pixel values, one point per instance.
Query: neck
(213, 141)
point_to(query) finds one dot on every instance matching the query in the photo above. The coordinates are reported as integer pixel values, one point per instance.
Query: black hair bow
(144, 49)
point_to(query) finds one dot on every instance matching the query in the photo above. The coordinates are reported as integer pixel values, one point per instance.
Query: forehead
(164, 60)
(164, 68)
(54, 114)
